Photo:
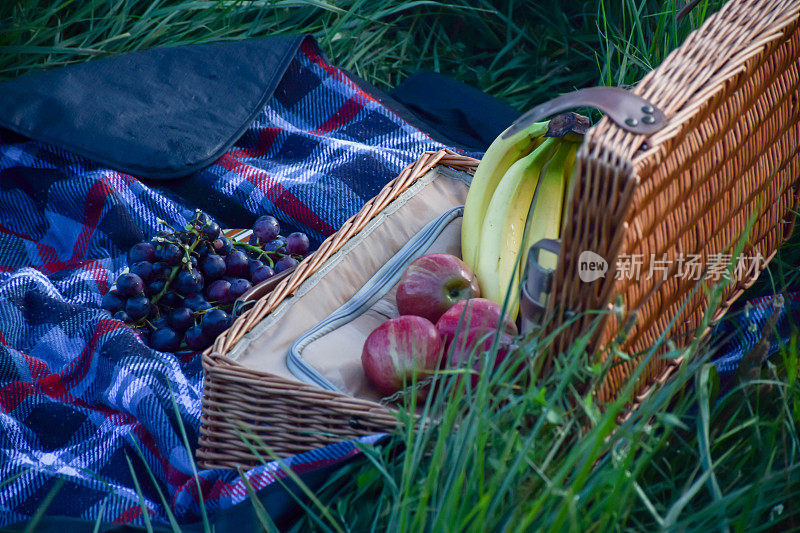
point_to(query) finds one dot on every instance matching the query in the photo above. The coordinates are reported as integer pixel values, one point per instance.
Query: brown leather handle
(685, 10)
(629, 111)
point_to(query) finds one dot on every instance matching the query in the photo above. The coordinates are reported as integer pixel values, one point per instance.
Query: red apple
(433, 283)
(471, 314)
(398, 349)
(472, 344)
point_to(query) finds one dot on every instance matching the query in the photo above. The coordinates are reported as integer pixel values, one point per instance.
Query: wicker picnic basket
(729, 152)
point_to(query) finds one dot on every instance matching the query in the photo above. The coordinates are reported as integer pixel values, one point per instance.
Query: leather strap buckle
(537, 285)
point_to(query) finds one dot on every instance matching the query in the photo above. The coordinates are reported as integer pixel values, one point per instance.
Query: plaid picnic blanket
(82, 401)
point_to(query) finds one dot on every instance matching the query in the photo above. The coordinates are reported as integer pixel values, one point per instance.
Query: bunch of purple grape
(180, 286)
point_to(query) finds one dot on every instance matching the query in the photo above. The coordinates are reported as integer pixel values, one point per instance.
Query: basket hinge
(537, 285)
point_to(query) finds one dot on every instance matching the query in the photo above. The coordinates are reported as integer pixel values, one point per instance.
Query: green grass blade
(258, 507)
(167, 507)
(179, 420)
(30, 527)
(145, 510)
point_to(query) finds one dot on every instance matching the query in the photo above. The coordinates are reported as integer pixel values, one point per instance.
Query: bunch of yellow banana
(517, 197)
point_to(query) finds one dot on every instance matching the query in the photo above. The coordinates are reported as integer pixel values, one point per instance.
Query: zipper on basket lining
(374, 289)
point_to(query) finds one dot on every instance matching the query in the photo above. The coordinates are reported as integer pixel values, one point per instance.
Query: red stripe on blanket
(13, 394)
(343, 115)
(266, 138)
(128, 515)
(96, 199)
(277, 194)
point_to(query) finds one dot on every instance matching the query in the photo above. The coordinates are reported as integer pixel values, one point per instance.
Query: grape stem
(259, 251)
(163, 291)
(172, 274)
(167, 224)
(219, 306)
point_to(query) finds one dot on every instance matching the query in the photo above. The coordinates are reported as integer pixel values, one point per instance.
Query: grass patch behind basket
(523, 52)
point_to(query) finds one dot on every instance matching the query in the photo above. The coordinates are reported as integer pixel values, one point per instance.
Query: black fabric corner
(160, 113)
(467, 117)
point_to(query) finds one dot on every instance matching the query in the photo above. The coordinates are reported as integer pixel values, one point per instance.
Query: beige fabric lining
(337, 354)
(265, 347)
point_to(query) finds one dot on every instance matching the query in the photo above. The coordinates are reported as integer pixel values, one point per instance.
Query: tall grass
(511, 456)
(521, 451)
(523, 52)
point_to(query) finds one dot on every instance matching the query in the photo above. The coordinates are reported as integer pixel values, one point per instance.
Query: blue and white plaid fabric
(742, 328)
(80, 395)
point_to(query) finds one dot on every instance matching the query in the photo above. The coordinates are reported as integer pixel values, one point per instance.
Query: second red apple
(471, 345)
(472, 314)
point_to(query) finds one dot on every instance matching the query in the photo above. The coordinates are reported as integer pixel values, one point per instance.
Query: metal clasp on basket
(536, 284)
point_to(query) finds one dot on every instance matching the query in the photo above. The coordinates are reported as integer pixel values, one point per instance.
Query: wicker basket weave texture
(246, 410)
(730, 152)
